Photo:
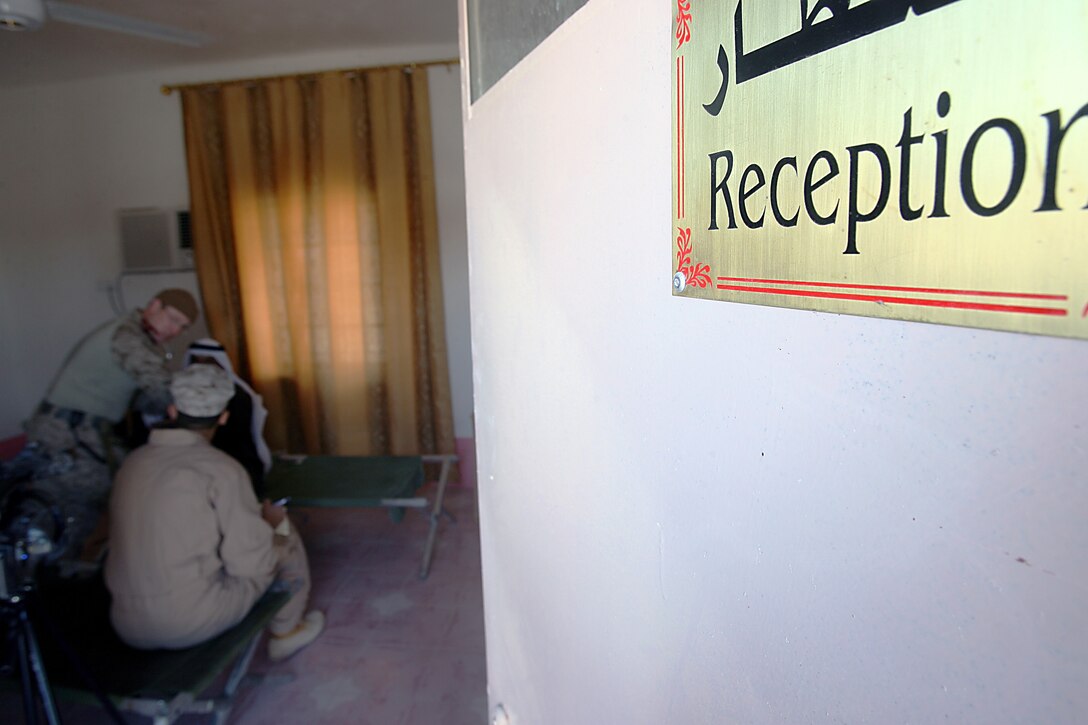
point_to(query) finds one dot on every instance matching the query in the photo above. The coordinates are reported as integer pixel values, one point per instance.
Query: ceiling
(240, 30)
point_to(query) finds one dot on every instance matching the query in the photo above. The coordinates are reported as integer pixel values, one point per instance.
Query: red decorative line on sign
(696, 274)
(683, 165)
(679, 156)
(683, 22)
(893, 288)
(919, 301)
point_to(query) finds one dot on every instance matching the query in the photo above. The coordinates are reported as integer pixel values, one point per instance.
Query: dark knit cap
(181, 301)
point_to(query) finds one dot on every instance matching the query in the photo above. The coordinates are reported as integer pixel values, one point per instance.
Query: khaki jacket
(189, 553)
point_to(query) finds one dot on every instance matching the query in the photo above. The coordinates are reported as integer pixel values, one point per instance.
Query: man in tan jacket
(190, 549)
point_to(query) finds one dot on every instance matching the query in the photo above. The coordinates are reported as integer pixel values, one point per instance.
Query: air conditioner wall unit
(155, 239)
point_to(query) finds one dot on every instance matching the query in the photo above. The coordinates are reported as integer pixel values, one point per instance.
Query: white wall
(701, 512)
(76, 152)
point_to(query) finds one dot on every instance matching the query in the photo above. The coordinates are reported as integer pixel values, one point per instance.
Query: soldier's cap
(181, 301)
(201, 390)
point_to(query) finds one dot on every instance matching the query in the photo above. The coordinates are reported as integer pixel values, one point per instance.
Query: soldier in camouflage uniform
(71, 432)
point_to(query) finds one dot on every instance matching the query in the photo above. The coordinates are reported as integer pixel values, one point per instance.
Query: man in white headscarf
(242, 436)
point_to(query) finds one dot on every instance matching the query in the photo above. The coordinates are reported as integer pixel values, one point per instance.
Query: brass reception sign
(915, 159)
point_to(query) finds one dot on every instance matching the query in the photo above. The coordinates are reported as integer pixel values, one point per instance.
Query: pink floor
(396, 650)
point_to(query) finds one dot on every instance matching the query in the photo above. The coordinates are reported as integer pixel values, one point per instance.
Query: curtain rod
(168, 89)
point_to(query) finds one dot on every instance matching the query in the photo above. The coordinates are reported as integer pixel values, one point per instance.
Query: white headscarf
(207, 347)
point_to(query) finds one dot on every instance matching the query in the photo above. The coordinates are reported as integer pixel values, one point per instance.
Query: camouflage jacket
(146, 363)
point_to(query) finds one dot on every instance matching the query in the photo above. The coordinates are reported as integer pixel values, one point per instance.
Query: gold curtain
(316, 246)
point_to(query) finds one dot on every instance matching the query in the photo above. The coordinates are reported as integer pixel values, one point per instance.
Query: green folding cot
(391, 482)
(84, 658)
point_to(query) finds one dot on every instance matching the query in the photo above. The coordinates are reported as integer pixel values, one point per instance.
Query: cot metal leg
(223, 704)
(437, 510)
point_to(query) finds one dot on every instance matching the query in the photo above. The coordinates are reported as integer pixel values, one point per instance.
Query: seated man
(190, 549)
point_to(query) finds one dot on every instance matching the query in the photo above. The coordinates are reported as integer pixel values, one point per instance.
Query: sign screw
(679, 281)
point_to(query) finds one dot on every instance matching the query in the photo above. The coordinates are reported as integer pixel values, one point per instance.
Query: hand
(272, 513)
